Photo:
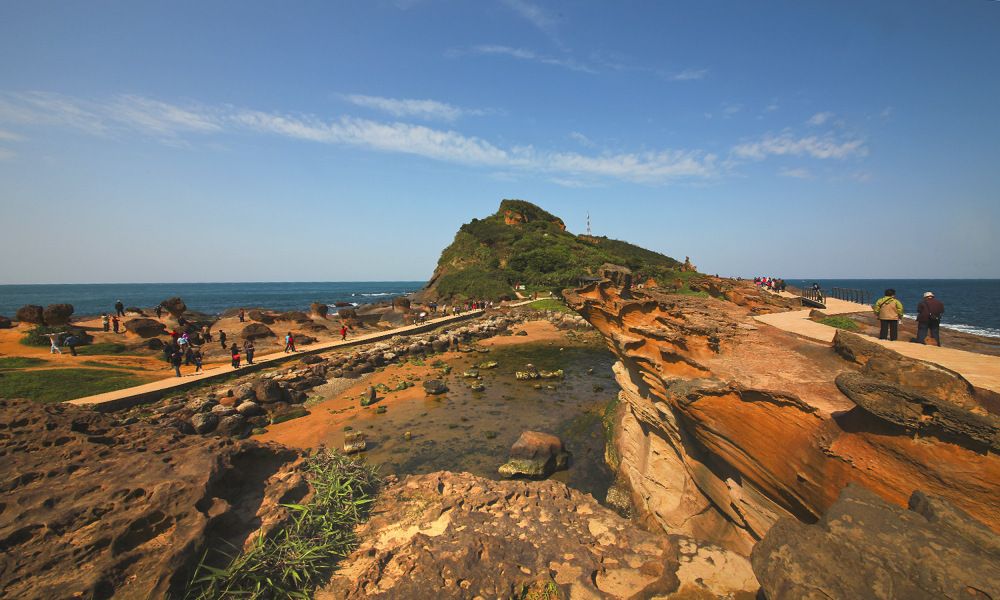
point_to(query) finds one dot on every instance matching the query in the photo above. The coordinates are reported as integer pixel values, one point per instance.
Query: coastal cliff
(725, 425)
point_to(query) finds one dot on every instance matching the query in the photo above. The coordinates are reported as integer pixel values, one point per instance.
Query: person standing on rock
(248, 349)
(929, 313)
(120, 309)
(889, 312)
(222, 339)
(106, 322)
(54, 341)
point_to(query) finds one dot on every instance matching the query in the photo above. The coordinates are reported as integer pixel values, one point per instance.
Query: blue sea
(971, 305)
(209, 298)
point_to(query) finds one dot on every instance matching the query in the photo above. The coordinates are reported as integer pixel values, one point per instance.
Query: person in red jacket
(929, 313)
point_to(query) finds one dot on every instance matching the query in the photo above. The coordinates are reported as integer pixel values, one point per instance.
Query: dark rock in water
(256, 331)
(57, 314)
(865, 547)
(145, 328)
(30, 314)
(455, 535)
(536, 455)
(916, 410)
(319, 309)
(433, 387)
(175, 306)
(342, 304)
(354, 443)
(92, 509)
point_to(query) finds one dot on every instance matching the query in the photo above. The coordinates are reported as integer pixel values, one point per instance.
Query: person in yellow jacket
(889, 312)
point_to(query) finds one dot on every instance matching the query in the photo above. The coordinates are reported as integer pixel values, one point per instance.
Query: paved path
(981, 370)
(149, 392)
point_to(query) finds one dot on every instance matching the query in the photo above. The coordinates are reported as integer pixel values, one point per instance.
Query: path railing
(852, 295)
(812, 294)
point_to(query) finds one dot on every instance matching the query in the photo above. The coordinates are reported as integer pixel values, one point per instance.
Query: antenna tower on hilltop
(588, 222)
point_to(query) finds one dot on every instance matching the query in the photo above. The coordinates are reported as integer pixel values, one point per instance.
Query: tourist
(248, 349)
(176, 359)
(289, 343)
(889, 312)
(236, 356)
(206, 334)
(72, 341)
(54, 341)
(114, 323)
(196, 357)
(929, 313)
(120, 309)
(343, 332)
(222, 339)
(158, 310)
(106, 322)
(241, 315)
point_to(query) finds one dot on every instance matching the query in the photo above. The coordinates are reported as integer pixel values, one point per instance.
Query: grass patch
(840, 323)
(104, 365)
(305, 552)
(102, 348)
(550, 304)
(20, 362)
(59, 385)
(288, 416)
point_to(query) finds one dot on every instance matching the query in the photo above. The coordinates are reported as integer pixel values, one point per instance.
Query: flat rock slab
(454, 535)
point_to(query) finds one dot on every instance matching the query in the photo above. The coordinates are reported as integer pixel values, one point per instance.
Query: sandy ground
(342, 404)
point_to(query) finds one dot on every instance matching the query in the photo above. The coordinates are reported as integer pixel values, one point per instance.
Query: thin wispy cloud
(424, 109)
(820, 118)
(536, 15)
(688, 75)
(796, 173)
(11, 137)
(787, 144)
(6, 155)
(529, 55)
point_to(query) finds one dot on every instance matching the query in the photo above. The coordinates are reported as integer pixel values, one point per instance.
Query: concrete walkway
(981, 370)
(155, 390)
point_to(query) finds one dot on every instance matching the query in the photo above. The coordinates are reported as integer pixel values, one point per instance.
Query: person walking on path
(222, 339)
(289, 343)
(120, 309)
(176, 359)
(54, 341)
(889, 312)
(196, 357)
(343, 332)
(248, 349)
(929, 313)
(236, 356)
(106, 322)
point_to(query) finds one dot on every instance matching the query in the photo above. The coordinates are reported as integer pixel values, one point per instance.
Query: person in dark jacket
(176, 359)
(929, 313)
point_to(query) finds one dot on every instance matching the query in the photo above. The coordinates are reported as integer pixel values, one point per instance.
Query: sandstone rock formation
(535, 455)
(256, 331)
(30, 314)
(57, 314)
(865, 547)
(261, 317)
(725, 425)
(175, 306)
(451, 535)
(95, 509)
(319, 309)
(145, 328)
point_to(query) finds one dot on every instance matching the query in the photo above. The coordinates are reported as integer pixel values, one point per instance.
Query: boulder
(57, 314)
(154, 343)
(232, 425)
(175, 306)
(5, 323)
(349, 316)
(294, 316)
(269, 391)
(865, 547)
(131, 310)
(319, 309)
(260, 317)
(368, 396)
(30, 314)
(249, 408)
(354, 443)
(145, 328)
(433, 387)
(401, 303)
(535, 455)
(342, 304)
(395, 318)
(256, 331)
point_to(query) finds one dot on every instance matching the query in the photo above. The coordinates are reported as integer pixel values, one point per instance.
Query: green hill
(523, 244)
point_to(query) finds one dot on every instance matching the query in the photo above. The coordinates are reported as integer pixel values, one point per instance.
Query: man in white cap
(929, 313)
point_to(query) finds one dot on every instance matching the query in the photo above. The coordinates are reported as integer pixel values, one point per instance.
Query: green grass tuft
(59, 385)
(840, 322)
(20, 362)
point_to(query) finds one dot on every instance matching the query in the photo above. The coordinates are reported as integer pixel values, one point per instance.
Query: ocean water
(970, 305)
(209, 298)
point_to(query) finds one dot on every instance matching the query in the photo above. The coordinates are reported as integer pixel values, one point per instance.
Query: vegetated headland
(711, 454)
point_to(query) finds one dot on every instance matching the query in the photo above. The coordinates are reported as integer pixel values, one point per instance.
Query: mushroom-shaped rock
(535, 455)
(319, 309)
(261, 317)
(175, 306)
(57, 314)
(30, 314)
(256, 331)
(145, 328)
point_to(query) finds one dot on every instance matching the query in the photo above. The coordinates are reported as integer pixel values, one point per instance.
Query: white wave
(983, 331)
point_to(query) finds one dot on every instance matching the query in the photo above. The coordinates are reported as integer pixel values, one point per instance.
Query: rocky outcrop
(57, 314)
(175, 306)
(30, 314)
(95, 509)
(725, 425)
(535, 455)
(453, 535)
(319, 309)
(145, 328)
(865, 547)
(256, 331)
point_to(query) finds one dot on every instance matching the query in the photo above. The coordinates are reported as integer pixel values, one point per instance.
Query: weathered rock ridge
(725, 425)
(94, 509)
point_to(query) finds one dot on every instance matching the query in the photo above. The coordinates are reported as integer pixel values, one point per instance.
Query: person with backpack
(289, 343)
(235, 349)
(929, 313)
(889, 312)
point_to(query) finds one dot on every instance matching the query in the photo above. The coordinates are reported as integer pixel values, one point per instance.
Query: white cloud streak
(423, 109)
(820, 118)
(786, 144)
(530, 55)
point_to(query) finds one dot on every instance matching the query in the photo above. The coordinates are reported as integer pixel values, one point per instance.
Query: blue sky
(345, 141)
